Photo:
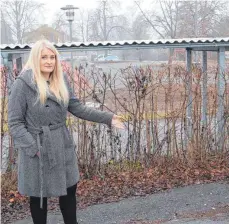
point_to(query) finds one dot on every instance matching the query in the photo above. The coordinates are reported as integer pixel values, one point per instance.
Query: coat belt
(48, 146)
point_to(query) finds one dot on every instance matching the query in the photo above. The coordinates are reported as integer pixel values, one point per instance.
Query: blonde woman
(38, 104)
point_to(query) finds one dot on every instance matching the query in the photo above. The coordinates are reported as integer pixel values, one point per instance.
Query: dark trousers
(67, 207)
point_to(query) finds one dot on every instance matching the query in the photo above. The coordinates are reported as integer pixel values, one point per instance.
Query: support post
(72, 69)
(189, 93)
(204, 91)
(8, 64)
(220, 100)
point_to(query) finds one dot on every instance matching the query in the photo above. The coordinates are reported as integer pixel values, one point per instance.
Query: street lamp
(69, 11)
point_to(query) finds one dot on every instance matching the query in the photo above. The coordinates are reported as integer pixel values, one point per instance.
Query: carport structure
(219, 45)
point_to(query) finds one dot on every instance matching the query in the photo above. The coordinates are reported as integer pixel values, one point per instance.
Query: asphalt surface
(171, 207)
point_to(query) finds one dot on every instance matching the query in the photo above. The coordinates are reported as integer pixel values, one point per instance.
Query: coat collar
(28, 77)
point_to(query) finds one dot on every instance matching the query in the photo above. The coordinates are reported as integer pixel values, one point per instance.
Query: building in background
(47, 32)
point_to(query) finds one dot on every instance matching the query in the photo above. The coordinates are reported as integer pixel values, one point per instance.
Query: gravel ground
(178, 205)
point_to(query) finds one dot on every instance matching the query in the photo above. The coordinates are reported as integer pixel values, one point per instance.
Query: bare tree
(6, 34)
(140, 28)
(21, 16)
(104, 21)
(60, 23)
(83, 24)
(221, 28)
(200, 18)
(165, 20)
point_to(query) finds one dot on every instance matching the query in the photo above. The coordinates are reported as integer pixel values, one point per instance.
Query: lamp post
(69, 11)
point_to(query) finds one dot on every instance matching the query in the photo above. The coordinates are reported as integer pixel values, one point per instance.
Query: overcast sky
(52, 6)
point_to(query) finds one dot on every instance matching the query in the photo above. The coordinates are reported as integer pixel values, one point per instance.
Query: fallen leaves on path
(115, 185)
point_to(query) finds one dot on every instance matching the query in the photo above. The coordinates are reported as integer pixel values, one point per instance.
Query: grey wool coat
(36, 127)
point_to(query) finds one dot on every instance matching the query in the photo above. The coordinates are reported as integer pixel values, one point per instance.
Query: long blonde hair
(57, 84)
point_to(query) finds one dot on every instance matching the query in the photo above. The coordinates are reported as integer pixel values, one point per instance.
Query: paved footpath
(168, 206)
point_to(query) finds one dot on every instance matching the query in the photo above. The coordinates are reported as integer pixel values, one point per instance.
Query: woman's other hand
(38, 154)
(117, 122)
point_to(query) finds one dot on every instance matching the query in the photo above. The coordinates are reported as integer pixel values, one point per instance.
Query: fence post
(204, 91)
(189, 95)
(220, 101)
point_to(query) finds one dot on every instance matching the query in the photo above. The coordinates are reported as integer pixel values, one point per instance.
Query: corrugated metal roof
(210, 43)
